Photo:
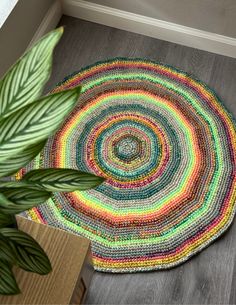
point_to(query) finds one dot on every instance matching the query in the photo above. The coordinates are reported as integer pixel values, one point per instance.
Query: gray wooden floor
(210, 277)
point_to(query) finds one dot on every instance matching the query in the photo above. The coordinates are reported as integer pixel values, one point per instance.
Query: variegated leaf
(62, 179)
(24, 82)
(6, 220)
(28, 253)
(16, 200)
(6, 252)
(8, 283)
(11, 165)
(35, 122)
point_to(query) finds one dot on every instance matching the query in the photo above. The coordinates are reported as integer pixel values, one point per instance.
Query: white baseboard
(176, 33)
(49, 22)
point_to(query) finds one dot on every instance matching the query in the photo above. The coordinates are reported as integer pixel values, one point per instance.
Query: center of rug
(124, 148)
(128, 148)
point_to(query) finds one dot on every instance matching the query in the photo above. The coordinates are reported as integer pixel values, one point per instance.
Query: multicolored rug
(167, 147)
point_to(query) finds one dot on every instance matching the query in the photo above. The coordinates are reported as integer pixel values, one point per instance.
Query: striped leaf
(35, 122)
(8, 283)
(17, 184)
(28, 253)
(62, 180)
(6, 220)
(6, 252)
(4, 202)
(13, 164)
(24, 82)
(16, 200)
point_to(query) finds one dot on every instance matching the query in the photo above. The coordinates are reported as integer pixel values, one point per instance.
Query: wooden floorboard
(210, 277)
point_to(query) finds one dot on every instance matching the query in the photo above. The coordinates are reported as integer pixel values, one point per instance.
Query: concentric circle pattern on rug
(166, 146)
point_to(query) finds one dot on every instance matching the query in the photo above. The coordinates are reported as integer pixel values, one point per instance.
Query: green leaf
(8, 283)
(14, 163)
(35, 122)
(6, 252)
(24, 82)
(18, 184)
(6, 220)
(28, 253)
(62, 180)
(4, 203)
(16, 200)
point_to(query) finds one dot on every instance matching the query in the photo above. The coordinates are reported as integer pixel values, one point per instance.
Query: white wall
(6, 6)
(216, 16)
(19, 28)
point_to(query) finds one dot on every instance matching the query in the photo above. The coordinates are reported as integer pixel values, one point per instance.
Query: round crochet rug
(166, 145)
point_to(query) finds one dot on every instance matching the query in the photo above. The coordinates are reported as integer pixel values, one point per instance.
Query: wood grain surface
(67, 253)
(210, 277)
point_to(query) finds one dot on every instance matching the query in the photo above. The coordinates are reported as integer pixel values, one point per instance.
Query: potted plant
(26, 121)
